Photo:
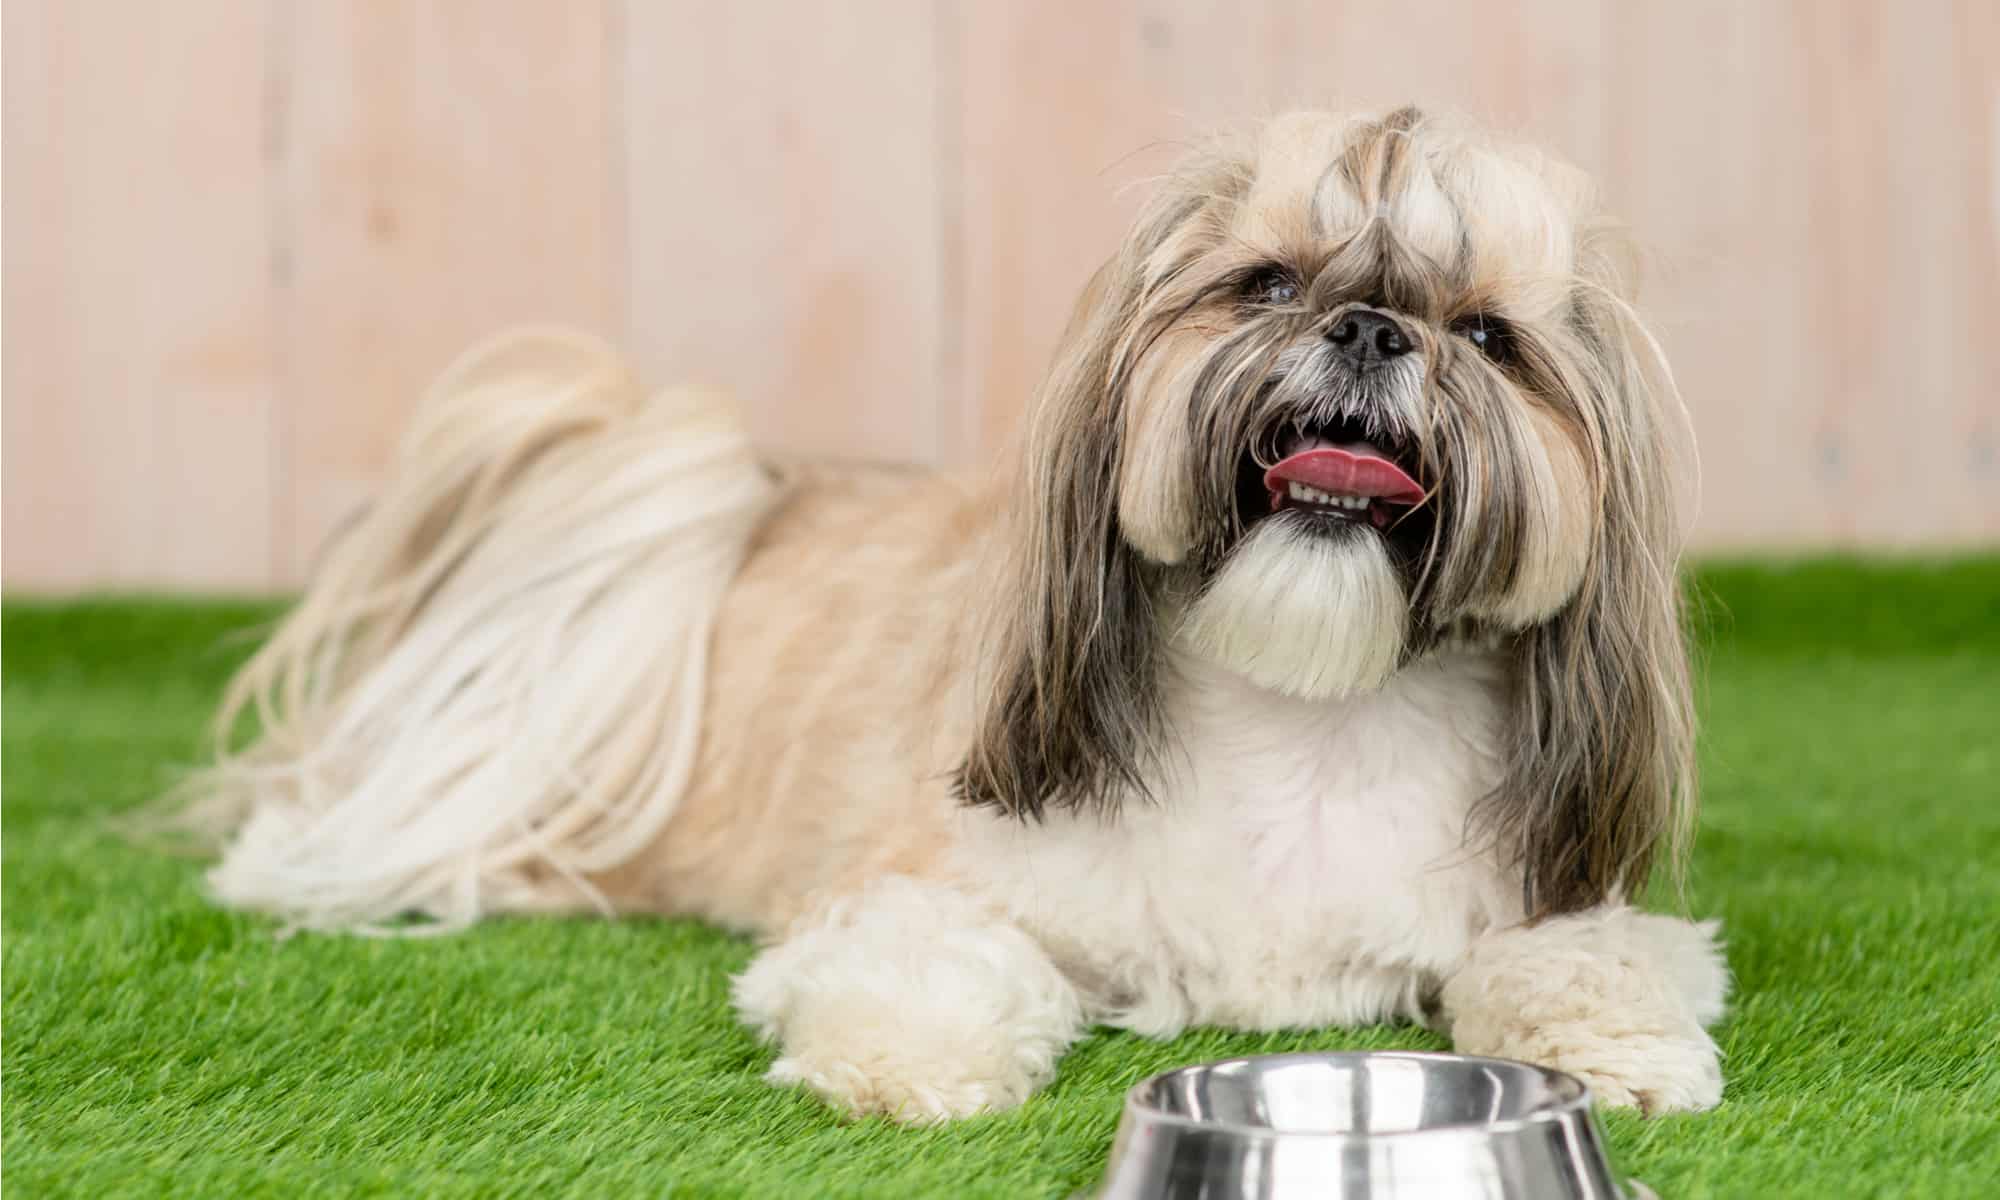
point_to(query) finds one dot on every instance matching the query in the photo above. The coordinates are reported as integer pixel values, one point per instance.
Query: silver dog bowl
(1437, 1126)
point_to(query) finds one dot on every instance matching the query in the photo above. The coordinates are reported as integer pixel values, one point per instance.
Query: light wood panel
(242, 234)
(1709, 172)
(448, 170)
(1896, 333)
(138, 379)
(786, 224)
(1819, 300)
(1977, 211)
(1051, 136)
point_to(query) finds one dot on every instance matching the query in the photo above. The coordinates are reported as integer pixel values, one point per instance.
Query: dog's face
(1345, 388)
(1362, 403)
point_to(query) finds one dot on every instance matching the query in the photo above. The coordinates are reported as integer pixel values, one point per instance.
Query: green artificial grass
(1850, 840)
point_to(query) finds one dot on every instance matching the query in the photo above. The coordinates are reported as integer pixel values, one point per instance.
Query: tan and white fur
(1100, 740)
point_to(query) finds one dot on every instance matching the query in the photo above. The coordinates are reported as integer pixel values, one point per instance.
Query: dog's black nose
(1367, 337)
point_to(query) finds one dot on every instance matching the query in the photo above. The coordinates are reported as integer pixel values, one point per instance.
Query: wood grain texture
(785, 220)
(1908, 410)
(138, 381)
(1976, 431)
(1709, 175)
(447, 171)
(242, 234)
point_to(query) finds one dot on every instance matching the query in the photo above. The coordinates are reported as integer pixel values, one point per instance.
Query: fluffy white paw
(1650, 1073)
(1614, 996)
(911, 1002)
(863, 1080)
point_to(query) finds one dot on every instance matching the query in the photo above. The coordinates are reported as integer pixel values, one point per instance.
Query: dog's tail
(492, 687)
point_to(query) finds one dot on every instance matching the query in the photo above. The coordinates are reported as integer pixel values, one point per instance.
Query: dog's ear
(1601, 778)
(1068, 712)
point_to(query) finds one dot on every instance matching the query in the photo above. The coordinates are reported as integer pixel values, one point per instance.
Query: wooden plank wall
(241, 234)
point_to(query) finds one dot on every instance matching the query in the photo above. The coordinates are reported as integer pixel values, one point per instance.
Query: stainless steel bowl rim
(1579, 1102)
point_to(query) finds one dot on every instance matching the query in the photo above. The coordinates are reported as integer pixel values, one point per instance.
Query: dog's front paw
(1653, 1074)
(911, 1002)
(1617, 997)
(863, 1082)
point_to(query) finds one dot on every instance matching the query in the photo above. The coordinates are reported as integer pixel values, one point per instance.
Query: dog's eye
(1270, 286)
(1493, 336)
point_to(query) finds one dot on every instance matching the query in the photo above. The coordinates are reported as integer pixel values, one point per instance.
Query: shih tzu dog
(1317, 661)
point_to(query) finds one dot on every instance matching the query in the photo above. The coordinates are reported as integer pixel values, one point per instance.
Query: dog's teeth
(1306, 493)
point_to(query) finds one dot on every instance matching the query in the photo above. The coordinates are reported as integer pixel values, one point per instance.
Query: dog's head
(1348, 389)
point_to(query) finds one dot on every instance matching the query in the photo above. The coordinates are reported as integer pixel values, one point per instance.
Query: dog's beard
(1304, 609)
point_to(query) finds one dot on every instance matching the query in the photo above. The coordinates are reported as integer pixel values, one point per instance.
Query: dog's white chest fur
(1303, 863)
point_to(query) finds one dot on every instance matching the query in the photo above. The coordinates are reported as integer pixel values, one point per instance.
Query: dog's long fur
(1104, 739)
(465, 700)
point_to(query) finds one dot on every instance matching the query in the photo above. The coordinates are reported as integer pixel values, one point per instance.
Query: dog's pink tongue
(1358, 471)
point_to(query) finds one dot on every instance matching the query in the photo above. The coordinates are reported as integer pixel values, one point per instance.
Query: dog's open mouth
(1334, 472)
